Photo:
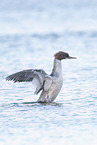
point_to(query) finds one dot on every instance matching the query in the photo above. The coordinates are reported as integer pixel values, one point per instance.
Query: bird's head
(63, 55)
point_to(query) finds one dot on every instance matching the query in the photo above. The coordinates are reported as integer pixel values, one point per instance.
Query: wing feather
(37, 76)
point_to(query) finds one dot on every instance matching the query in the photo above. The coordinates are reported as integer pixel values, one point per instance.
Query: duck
(48, 85)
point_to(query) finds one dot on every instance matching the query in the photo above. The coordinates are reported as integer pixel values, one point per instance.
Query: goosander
(50, 85)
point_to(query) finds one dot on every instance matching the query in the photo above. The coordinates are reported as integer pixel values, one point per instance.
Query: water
(30, 34)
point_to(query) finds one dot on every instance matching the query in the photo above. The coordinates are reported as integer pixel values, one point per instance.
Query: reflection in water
(25, 104)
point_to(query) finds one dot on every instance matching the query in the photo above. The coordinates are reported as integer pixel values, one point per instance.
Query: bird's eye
(67, 55)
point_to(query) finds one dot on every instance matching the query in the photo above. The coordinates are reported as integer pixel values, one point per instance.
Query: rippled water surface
(31, 32)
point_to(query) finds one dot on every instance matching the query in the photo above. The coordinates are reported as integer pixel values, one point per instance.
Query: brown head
(63, 55)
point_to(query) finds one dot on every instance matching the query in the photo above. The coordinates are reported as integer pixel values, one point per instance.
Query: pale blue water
(31, 32)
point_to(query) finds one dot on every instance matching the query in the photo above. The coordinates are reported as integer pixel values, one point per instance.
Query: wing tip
(8, 78)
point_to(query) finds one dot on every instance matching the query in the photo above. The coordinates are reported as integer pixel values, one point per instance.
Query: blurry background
(31, 32)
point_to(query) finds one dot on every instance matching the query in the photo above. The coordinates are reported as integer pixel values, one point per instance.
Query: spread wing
(37, 76)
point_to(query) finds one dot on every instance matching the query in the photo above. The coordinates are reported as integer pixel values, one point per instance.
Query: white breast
(57, 81)
(55, 89)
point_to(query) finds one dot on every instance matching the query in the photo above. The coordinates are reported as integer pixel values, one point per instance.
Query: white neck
(57, 69)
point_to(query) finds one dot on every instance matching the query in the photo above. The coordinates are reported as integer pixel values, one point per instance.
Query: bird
(48, 85)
